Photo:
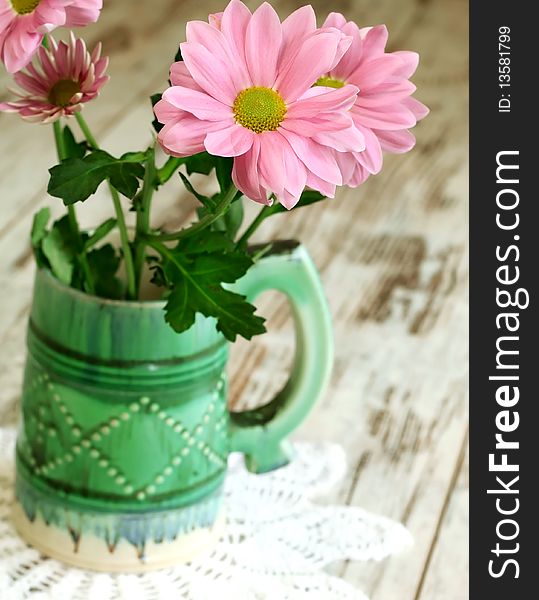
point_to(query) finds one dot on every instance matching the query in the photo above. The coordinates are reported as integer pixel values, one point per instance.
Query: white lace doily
(276, 543)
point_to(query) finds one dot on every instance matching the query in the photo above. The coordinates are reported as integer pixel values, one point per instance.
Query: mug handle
(260, 434)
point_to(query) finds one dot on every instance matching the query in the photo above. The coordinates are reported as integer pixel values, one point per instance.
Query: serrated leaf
(196, 281)
(204, 200)
(73, 149)
(60, 248)
(76, 179)
(207, 241)
(202, 163)
(39, 226)
(179, 313)
(102, 231)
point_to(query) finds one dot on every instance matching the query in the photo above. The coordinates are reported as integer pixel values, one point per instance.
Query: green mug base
(92, 552)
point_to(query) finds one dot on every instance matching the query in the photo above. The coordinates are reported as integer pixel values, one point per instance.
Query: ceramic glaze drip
(136, 529)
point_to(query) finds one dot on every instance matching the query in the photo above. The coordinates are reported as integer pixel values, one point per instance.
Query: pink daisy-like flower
(384, 109)
(245, 91)
(23, 23)
(64, 77)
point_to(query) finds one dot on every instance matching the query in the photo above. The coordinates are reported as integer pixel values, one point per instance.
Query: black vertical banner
(504, 239)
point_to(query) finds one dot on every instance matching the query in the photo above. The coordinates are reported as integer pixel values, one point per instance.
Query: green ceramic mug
(125, 434)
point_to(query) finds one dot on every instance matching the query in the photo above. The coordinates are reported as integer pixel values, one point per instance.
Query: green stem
(206, 221)
(266, 212)
(86, 130)
(124, 240)
(71, 213)
(124, 237)
(169, 168)
(143, 217)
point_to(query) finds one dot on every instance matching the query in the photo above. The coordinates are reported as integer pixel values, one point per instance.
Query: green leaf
(76, 179)
(73, 149)
(103, 263)
(206, 241)
(223, 169)
(154, 99)
(39, 226)
(196, 279)
(60, 248)
(178, 56)
(102, 231)
(202, 163)
(204, 200)
(234, 218)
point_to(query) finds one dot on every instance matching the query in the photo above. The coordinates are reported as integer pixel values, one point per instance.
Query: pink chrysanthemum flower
(64, 77)
(384, 109)
(245, 90)
(23, 23)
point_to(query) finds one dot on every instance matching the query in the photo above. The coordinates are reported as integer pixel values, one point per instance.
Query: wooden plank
(451, 547)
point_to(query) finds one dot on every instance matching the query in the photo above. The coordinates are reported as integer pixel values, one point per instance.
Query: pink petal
(19, 47)
(373, 72)
(343, 46)
(386, 93)
(32, 85)
(216, 43)
(231, 141)
(396, 142)
(7, 16)
(295, 177)
(387, 118)
(371, 158)
(347, 164)
(83, 12)
(47, 17)
(329, 100)
(262, 45)
(336, 20)
(245, 174)
(296, 27)
(209, 72)
(410, 60)
(165, 112)
(184, 137)
(324, 187)
(271, 162)
(179, 75)
(419, 110)
(349, 62)
(197, 103)
(374, 40)
(312, 125)
(359, 177)
(215, 19)
(345, 140)
(318, 159)
(49, 69)
(234, 22)
(311, 62)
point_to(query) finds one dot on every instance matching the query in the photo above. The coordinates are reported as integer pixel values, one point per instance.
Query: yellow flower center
(259, 109)
(330, 82)
(62, 91)
(24, 7)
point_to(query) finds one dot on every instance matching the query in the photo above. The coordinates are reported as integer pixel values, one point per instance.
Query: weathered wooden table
(393, 258)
